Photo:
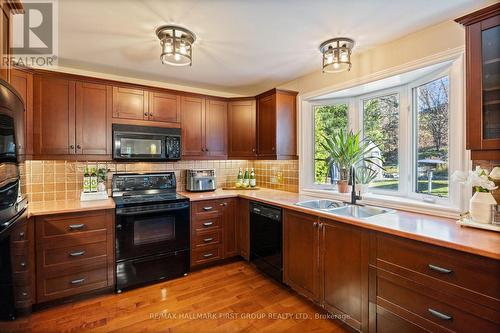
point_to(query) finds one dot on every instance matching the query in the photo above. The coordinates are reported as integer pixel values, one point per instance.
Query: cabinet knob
(273, 149)
(78, 147)
(22, 264)
(145, 114)
(151, 114)
(71, 147)
(21, 235)
(315, 224)
(253, 150)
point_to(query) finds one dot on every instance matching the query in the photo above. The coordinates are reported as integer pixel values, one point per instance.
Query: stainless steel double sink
(343, 209)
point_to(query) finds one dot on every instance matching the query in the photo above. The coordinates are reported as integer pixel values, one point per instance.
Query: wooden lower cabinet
(344, 272)
(213, 231)
(301, 253)
(74, 253)
(418, 287)
(243, 228)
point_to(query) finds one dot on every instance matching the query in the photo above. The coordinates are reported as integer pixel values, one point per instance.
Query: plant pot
(480, 207)
(343, 186)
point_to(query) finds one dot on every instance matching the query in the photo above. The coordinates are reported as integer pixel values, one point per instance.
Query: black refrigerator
(13, 205)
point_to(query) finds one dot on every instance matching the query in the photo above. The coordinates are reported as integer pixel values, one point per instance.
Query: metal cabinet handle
(77, 254)
(76, 226)
(21, 235)
(78, 281)
(78, 147)
(71, 147)
(22, 264)
(145, 114)
(253, 150)
(273, 149)
(440, 269)
(207, 208)
(208, 255)
(208, 224)
(224, 204)
(24, 294)
(151, 114)
(315, 224)
(206, 240)
(439, 315)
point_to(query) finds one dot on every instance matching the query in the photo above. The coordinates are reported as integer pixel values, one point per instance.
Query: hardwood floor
(230, 298)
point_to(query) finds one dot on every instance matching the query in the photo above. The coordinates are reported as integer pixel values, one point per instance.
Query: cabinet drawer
(207, 224)
(207, 206)
(433, 310)
(432, 266)
(71, 284)
(206, 255)
(70, 224)
(73, 254)
(207, 238)
(20, 233)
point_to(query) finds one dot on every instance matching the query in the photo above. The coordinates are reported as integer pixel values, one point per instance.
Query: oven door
(140, 234)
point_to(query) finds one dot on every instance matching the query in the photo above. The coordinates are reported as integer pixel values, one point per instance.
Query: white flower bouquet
(478, 179)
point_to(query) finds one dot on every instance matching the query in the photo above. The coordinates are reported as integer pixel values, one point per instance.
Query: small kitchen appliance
(200, 180)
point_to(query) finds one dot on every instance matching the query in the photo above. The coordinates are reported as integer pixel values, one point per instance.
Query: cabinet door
(54, 116)
(193, 126)
(130, 103)
(301, 254)
(22, 81)
(241, 125)
(216, 128)
(93, 119)
(344, 269)
(243, 228)
(5, 44)
(164, 107)
(229, 225)
(266, 126)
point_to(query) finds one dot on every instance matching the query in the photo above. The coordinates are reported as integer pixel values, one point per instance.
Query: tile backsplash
(63, 180)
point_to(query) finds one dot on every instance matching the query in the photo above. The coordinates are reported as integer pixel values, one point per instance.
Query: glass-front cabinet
(483, 82)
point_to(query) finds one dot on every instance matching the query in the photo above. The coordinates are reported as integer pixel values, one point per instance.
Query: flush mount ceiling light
(176, 45)
(336, 54)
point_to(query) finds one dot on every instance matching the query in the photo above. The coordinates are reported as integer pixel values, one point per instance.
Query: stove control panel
(141, 182)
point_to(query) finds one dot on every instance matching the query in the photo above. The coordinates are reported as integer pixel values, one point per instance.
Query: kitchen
(345, 178)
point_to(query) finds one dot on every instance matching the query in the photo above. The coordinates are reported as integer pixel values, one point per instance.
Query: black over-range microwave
(144, 143)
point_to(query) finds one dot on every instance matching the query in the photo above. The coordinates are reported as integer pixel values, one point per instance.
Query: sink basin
(320, 204)
(359, 211)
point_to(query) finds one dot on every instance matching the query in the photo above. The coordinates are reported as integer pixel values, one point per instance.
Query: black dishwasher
(266, 239)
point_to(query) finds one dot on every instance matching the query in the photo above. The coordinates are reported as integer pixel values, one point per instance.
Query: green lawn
(439, 187)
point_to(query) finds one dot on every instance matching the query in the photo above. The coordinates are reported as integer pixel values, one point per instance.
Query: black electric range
(152, 229)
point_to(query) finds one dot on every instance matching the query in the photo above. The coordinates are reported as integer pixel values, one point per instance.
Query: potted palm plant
(345, 150)
(364, 176)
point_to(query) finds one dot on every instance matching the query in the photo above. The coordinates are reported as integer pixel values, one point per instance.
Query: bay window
(412, 128)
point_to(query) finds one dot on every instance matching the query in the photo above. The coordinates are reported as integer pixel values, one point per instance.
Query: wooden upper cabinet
(266, 126)
(193, 126)
(242, 129)
(130, 103)
(8, 8)
(277, 125)
(53, 116)
(93, 118)
(216, 128)
(482, 30)
(300, 253)
(344, 270)
(164, 107)
(22, 81)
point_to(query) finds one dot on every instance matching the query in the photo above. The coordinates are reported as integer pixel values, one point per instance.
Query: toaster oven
(200, 180)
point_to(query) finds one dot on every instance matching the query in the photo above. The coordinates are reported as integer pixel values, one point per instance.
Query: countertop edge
(358, 223)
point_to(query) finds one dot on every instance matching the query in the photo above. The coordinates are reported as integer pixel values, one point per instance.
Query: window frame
(407, 198)
(401, 92)
(314, 105)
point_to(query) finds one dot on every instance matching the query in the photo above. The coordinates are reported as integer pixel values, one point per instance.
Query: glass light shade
(336, 55)
(176, 44)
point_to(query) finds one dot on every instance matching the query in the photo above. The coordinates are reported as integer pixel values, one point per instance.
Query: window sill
(406, 204)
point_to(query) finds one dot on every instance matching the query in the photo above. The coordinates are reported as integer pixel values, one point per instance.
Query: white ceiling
(242, 45)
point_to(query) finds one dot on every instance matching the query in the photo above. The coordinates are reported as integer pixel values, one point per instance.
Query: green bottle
(246, 179)
(86, 180)
(93, 181)
(240, 176)
(252, 178)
